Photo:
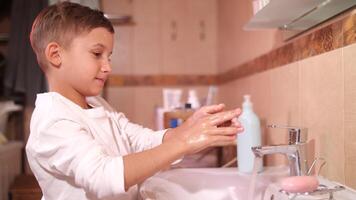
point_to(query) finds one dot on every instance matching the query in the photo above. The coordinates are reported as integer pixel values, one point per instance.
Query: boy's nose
(106, 67)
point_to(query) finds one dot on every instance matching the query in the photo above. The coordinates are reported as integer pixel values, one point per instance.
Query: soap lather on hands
(202, 130)
(208, 126)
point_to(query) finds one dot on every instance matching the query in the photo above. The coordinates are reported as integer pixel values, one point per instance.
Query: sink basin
(223, 184)
(207, 183)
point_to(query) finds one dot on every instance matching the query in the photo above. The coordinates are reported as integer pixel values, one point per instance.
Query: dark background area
(5, 13)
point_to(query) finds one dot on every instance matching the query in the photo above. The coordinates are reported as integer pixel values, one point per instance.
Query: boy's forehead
(97, 36)
(96, 33)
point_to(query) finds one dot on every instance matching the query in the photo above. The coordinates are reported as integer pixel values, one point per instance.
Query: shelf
(120, 20)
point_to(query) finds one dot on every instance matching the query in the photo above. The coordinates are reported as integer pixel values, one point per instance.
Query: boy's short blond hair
(61, 23)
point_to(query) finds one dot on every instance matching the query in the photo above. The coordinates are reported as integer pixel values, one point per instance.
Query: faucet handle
(296, 134)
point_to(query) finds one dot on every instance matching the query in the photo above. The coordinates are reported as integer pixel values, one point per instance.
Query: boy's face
(86, 63)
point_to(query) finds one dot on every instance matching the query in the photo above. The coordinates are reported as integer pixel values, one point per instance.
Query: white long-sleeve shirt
(78, 153)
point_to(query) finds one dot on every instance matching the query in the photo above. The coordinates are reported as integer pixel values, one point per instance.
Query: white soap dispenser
(193, 99)
(250, 137)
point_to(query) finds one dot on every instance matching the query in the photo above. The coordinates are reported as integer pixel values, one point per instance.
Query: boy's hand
(200, 131)
(208, 110)
(203, 129)
(202, 112)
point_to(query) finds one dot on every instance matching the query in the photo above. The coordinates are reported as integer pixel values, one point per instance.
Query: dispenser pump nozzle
(247, 102)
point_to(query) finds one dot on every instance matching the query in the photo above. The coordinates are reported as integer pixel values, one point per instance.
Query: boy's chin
(94, 93)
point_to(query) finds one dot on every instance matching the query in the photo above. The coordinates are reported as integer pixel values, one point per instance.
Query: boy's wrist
(171, 138)
(168, 135)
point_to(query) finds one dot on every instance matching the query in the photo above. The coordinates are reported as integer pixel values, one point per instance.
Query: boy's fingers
(222, 117)
(208, 110)
(235, 122)
(226, 143)
(224, 140)
(223, 131)
(226, 124)
(213, 108)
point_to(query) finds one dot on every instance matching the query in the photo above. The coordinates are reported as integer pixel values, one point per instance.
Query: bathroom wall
(167, 38)
(235, 45)
(316, 91)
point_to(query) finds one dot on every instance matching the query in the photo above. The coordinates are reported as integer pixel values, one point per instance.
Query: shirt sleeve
(66, 149)
(140, 138)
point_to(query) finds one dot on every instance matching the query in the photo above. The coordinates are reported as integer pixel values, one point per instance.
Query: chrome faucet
(295, 151)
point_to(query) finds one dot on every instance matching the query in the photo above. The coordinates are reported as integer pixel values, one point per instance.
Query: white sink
(221, 184)
(207, 183)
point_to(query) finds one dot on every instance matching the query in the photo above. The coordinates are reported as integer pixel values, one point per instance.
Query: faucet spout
(295, 150)
(296, 155)
(260, 151)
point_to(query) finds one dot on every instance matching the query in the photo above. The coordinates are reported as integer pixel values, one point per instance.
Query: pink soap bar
(299, 184)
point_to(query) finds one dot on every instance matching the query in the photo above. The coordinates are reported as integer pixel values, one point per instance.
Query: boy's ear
(52, 53)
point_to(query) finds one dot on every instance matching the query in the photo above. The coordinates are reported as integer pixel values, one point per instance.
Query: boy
(81, 148)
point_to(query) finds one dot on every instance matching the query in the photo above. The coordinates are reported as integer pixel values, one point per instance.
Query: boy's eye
(97, 54)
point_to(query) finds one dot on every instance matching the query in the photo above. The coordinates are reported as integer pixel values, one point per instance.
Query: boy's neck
(78, 99)
(56, 85)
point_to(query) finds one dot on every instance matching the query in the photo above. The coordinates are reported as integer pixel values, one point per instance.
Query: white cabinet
(117, 7)
(168, 37)
(202, 43)
(174, 37)
(146, 39)
(189, 37)
(122, 57)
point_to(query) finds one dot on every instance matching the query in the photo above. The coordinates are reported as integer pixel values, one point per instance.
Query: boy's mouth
(102, 80)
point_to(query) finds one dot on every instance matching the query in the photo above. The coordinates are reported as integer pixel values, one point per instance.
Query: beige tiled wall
(322, 109)
(235, 44)
(317, 93)
(122, 56)
(123, 100)
(275, 95)
(349, 60)
(284, 106)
